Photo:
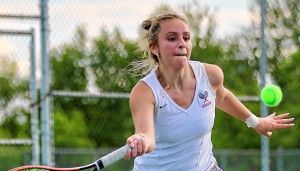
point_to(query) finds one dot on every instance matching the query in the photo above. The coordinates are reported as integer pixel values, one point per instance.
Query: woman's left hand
(267, 124)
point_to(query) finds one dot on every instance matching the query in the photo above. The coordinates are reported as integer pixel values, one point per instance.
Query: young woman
(173, 107)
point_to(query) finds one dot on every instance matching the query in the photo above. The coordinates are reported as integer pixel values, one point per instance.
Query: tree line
(104, 65)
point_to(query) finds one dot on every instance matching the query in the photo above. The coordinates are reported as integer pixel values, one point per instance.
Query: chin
(181, 61)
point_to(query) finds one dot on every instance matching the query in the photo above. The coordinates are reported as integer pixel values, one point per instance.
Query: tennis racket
(97, 165)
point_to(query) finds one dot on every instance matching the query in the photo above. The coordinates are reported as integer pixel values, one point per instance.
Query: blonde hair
(149, 30)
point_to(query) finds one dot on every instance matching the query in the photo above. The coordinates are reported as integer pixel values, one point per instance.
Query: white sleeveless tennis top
(183, 136)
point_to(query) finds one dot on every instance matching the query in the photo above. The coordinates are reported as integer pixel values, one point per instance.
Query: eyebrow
(185, 33)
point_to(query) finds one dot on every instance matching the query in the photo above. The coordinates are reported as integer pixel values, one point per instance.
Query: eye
(171, 39)
(186, 38)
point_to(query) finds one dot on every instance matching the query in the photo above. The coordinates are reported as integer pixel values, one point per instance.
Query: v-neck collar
(169, 97)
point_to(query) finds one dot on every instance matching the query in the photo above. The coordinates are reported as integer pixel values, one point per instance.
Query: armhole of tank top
(207, 79)
(196, 69)
(147, 82)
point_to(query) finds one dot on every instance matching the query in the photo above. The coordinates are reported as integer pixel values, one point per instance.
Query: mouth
(180, 54)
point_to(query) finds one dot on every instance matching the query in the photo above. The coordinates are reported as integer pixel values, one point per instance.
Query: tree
(14, 118)
(71, 130)
(110, 59)
(288, 77)
(107, 61)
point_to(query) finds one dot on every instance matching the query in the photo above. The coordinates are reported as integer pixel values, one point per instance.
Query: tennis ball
(271, 95)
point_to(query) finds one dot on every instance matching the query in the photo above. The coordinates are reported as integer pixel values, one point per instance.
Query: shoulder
(142, 92)
(215, 74)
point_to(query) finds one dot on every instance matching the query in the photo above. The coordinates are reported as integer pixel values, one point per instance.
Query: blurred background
(91, 44)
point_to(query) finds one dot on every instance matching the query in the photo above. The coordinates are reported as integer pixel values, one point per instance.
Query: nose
(181, 43)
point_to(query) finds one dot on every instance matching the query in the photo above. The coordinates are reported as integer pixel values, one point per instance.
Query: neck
(168, 81)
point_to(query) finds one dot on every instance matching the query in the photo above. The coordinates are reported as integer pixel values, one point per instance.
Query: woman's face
(174, 43)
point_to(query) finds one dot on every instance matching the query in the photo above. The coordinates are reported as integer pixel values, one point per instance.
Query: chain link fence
(228, 160)
(86, 77)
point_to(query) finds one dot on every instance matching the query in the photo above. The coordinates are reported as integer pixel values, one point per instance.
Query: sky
(66, 15)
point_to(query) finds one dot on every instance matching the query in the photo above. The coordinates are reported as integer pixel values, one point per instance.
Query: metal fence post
(279, 159)
(46, 132)
(34, 109)
(265, 154)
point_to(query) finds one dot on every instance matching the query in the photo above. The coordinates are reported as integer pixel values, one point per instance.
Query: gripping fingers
(140, 145)
(134, 149)
(137, 145)
(128, 155)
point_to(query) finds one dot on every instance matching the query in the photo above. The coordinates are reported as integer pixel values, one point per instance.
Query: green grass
(14, 156)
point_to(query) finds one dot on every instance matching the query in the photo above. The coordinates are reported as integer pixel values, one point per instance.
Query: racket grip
(113, 156)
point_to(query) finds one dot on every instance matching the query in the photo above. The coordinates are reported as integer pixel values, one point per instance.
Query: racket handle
(113, 157)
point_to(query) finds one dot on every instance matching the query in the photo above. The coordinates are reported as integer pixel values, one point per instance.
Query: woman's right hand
(139, 145)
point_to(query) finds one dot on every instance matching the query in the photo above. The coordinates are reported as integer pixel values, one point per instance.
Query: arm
(228, 102)
(142, 108)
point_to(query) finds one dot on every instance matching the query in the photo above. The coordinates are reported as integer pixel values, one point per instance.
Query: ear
(154, 48)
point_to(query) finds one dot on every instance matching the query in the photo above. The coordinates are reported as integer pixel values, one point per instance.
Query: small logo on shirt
(163, 106)
(204, 97)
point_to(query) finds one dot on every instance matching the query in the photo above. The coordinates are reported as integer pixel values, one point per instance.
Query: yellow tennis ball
(271, 95)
